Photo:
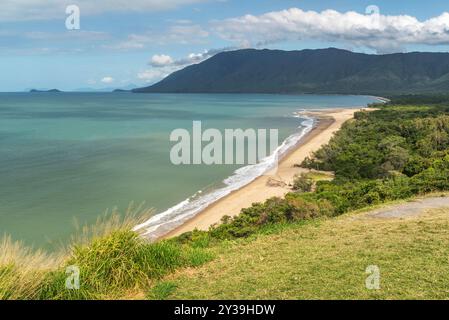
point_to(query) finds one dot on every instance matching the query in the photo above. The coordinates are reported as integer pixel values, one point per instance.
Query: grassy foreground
(109, 260)
(326, 259)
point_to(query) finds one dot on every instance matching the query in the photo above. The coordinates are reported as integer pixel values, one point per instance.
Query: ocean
(72, 156)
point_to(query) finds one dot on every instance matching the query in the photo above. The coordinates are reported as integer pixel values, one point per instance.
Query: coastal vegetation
(302, 183)
(395, 152)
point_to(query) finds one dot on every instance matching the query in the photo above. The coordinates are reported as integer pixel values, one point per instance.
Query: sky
(126, 43)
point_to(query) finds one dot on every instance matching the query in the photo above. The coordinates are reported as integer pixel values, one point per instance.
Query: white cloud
(199, 57)
(165, 60)
(107, 80)
(161, 60)
(17, 10)
(153, 75)
(163, 65)
(376, 31)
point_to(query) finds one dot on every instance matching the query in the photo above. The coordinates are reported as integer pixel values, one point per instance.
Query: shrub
(300, 209)
(302, 183)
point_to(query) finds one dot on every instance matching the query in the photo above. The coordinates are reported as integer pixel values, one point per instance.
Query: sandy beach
(276, 182)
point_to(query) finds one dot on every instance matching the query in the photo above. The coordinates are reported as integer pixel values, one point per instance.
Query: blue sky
(125, 42)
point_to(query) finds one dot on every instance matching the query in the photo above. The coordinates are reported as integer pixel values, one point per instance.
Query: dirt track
(411, 208)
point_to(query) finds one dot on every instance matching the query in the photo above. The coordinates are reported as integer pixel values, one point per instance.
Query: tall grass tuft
(110, 222)
(108, 266)
(112, 260)
(22, 269)
(107, 254)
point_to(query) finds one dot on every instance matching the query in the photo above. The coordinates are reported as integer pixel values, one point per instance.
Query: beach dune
(274, 183)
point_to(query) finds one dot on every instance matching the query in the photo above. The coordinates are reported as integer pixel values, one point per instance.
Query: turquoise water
(73, 155)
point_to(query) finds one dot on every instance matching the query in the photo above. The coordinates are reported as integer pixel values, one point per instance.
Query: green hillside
(311, 71)
(326, 259)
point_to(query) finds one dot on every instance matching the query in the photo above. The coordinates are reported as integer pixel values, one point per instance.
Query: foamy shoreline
(231, 199)
(166, 221)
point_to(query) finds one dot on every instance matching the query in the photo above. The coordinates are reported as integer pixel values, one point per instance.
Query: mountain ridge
(321, 71)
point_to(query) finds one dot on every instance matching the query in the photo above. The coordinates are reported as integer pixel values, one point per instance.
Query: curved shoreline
(174, 217)
(329, 121)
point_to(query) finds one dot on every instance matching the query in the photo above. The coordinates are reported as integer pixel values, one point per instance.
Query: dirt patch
(410, 209)
(275, 183)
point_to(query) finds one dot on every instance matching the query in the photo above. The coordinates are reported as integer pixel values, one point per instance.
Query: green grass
(161, 291)
(114, 263)
(319, 175)
(327, 259)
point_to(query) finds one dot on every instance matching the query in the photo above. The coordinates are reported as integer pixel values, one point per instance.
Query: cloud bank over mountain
(383, 33)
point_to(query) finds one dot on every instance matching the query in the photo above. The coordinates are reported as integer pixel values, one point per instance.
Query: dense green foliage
(388, 154)
(311, 71)
(302, 183)
(420, 99)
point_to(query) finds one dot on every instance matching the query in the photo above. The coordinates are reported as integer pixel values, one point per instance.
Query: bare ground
(409, 209)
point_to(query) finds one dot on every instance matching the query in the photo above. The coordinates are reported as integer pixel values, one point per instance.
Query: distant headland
(51, 90)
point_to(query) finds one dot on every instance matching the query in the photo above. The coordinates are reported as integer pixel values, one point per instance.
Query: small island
(49, 91)
(121, 90)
